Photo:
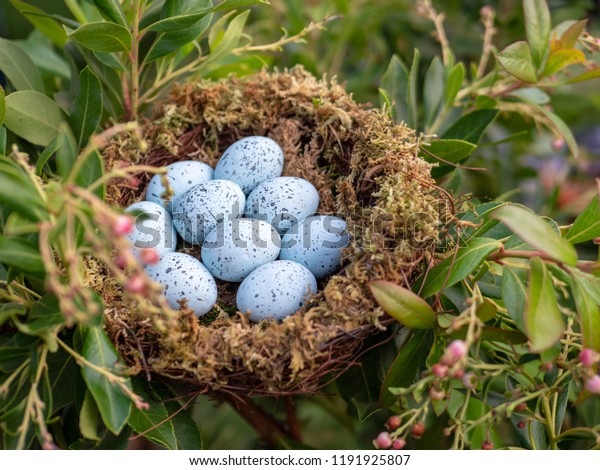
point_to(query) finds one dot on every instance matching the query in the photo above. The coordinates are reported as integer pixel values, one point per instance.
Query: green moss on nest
(366, 171)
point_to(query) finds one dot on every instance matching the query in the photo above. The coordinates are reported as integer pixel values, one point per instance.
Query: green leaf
(10, 310)
(90, 171)
(454, 83)
(103, 37)
(393, 85)
(403, 305)
(533, 95)
(18, 68)
(21, 254)
(111, 10)
(185, 428)
(87, 108)
(589, 315)
(433, 91)
(154, 422)
(537, 232)
(405, 367)
(88, 418)
(558, 60)
(230, 38)
(514, 294)
(177, 15)
(590, 74)
(543, 321)
(412, 105)
(45, 156)
(113, 404)
(559, 127)
(537, 28)
(33, 116)
(66, 150)
(587, 224)
(445, 152)
(18, 192)
(2, 141)
(471, 126)
(533, 429)
(46, 25)
(2, 109)
(44, 56)
(455, 268)
(516, 60)
(569, 36)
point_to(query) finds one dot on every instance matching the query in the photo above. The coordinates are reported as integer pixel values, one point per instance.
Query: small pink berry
(418, 430)
(557, 144)
(436, 394)
(122, 261)
(136, 284)
(398, 444)
(588, 357)
(455, 351)
(439, 370)
(393, 423)
(521, 424)
(122, 225)
(487, 445)
(383, 441)
(593, 384)
(521, 407)
(469, 380)
(149, 256)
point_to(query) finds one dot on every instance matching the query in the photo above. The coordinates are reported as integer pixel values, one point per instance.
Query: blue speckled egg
(317, 243)
(250, 161)
(182, 177)
(235, 248)
(153, 228)
(184, 277)
(199, 210)
(282, 202)
(275, 290)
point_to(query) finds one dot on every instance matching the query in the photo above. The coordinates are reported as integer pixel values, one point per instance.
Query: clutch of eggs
(253, 226)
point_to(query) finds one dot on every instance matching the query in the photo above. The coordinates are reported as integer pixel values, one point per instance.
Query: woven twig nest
(367, 172)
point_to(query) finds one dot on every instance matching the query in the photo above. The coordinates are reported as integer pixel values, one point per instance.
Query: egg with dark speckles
(235, 248)
(282, 202)
(275, 290)
(317, 243)
(184, 277)
(199, 210)
(182, 177)
(153, 228)
(250, 161)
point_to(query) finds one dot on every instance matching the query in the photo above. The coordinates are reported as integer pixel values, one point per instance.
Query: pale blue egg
(250, 161)
(184, 277)
(282, 202)
(235, 248)
(199, 210)
(275, 290)
(317, 243)
(182, 177)
(153, 228)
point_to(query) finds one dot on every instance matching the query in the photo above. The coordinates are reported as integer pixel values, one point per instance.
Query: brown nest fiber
(366, 171)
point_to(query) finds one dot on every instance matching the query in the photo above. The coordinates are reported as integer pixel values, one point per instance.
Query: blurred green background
(356, 47)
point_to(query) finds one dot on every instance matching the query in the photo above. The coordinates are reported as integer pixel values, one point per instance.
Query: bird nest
(366, 170)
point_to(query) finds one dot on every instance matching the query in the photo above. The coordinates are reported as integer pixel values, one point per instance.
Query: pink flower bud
(122, 225)
(136, 284)
(469, 380)
(455, 351)
(487, 445)
(122, 261)
(593, 384)
(398, 444)
(436, 394)
(149, 256)
(439, 370)
(383, 441)
(557, 144)
(393, 423)
(588, 357)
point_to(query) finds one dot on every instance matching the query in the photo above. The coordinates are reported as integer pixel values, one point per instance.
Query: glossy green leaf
(230, 38)
(569, 36)
(533, 95)
(590, 74)
(412, 91)
(446, 152)
(43, 54)
(87, 108)
(533, 435)
(45, 156)
(454, 83)
(394, 84)
(18, 68)
(587, 224)
(433, 91)
(102, 36)
(90, 171)
(514, 294)
(177, 16)
(3, 137)
(537, 232)
(471, 126)
(66, 150)
(32, 116)
(457, 267)
(516, 60)
(186, 430)
(154, 422)
(45, 24)
(403, 305)
(18, 193)
(405, 367)
(589, 315)
(558, 60)
(88, 418)
(113, 404)
(111, 10)
(21, 254)
(537, 28)
(543, 321)
(2, 107)
(9, 310)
